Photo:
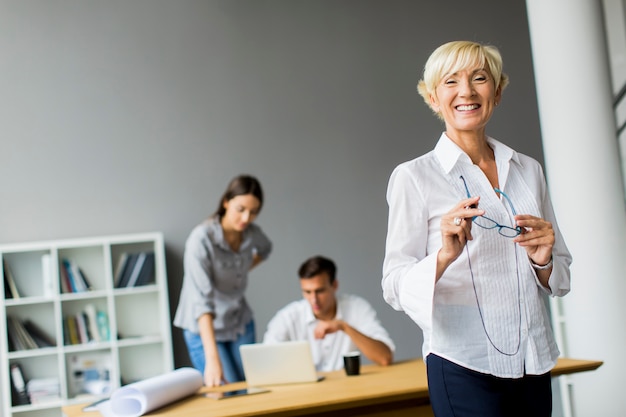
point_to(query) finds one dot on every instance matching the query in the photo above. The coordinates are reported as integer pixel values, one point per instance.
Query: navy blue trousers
(456, 391)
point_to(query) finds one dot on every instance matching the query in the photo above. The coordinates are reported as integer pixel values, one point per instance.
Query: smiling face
(462, 83)
(320, 294)
(240, 212)
(465, 100)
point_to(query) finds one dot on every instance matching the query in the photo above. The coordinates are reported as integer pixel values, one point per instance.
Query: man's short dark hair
(317, 265)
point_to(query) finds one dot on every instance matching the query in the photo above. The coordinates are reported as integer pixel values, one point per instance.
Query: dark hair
(240, 185)
(315, 266)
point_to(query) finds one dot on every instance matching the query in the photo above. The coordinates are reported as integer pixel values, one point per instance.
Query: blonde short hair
(454, 56)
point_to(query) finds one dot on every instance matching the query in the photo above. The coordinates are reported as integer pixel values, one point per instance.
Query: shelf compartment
(41, 315)
(89, 373)
(118, 251)
(27, 269)
(90, 261)
(85, 321)
(132, 317)
(140, 362)
(40, 367)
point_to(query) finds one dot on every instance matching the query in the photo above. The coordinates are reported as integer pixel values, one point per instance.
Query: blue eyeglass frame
(506, 231)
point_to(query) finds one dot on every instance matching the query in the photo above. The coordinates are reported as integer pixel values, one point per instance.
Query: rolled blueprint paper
(138, 398)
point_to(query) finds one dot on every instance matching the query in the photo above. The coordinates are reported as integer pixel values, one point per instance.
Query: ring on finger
(457, 221)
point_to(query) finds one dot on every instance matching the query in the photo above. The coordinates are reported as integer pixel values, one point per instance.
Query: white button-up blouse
(487, 312)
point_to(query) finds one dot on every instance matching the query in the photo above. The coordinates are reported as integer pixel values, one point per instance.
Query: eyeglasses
(487, 223)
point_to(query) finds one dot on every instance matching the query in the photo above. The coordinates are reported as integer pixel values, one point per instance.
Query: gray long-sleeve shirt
(216, 278)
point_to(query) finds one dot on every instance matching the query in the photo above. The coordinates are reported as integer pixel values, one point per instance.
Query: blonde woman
(473, 246)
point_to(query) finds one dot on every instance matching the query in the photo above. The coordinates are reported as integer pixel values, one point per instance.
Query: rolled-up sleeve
(197, 264)
(197, 295)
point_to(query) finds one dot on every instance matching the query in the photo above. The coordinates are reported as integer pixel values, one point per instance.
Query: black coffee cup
(352, 363)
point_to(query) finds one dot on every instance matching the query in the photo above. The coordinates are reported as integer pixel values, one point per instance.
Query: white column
(584, 176)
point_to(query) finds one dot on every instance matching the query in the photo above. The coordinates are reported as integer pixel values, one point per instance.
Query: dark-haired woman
(212, 309)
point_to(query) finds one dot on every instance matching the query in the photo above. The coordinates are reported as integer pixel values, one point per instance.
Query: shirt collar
(449, 153)
(310, 318)
(215, 227)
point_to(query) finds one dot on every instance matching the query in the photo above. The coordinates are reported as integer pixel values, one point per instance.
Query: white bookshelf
(139, 345)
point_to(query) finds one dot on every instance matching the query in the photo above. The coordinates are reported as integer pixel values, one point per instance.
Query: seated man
(333, 324)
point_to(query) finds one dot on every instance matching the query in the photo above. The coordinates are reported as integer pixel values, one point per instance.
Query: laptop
(278, 363)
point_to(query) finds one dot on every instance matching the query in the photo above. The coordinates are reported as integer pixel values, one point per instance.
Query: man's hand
(325, 327)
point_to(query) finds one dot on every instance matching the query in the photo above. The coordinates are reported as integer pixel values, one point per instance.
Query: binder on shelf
(18, 383)
(127, 271)
(146, 276)
(132, 279)
(9, 280)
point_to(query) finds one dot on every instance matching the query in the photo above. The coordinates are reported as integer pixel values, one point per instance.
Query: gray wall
(122, 116)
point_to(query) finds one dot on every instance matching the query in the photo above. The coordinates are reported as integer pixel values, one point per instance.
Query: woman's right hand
(213, 375)
(455, 233)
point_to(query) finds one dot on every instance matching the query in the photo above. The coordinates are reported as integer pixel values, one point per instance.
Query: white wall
(582, 150)
(121, 116)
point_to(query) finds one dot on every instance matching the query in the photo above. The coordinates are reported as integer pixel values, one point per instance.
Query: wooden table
(397, 390)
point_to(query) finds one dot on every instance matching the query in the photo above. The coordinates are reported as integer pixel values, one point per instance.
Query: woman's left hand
(537, 238)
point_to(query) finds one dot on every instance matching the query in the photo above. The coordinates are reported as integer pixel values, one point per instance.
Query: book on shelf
(81, 325)
(11, 290)
(66, 287)
(71, 330)
(18, 385)
(89, 325)
(92, 322)
(19, 337)
(146, 276)
(75, 277)
(137, 269)
(132, 279)
(7, 290)
(120, 269)
(127, 270)
(46, 269)
(41, 338)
